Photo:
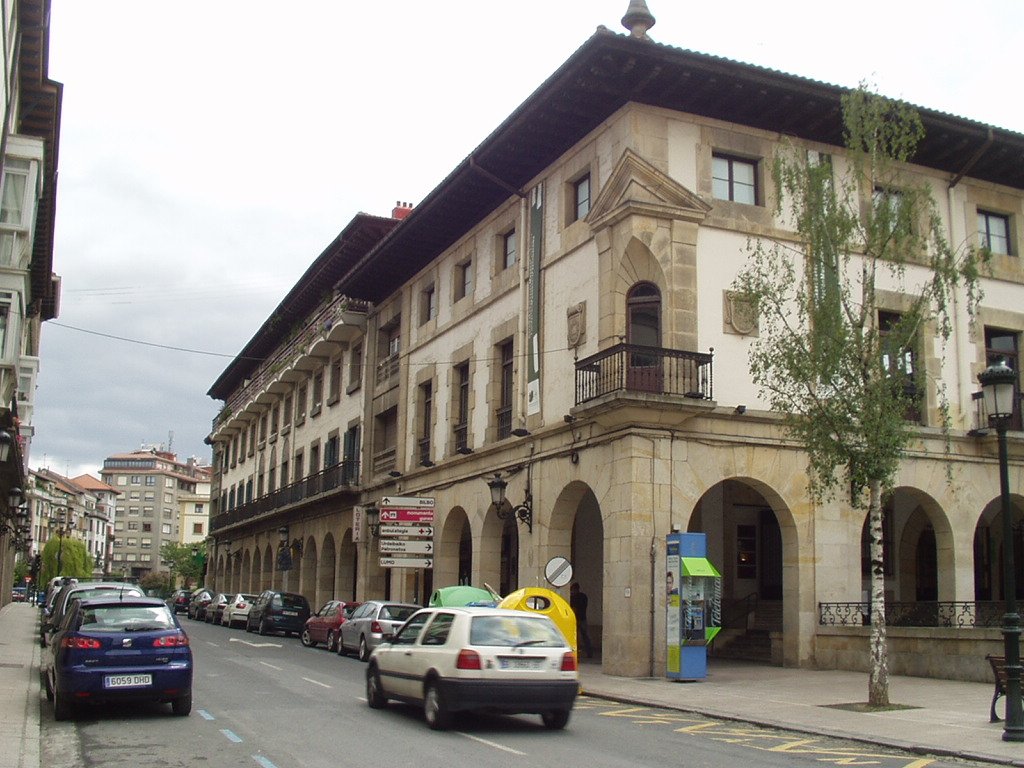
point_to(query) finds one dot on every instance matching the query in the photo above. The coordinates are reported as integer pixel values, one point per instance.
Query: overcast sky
(209, 151)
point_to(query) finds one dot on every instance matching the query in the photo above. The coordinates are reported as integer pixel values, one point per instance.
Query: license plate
(519, 662)
(127, 681)
(290, 613)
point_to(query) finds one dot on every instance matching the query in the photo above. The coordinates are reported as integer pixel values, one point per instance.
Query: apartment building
(29, 291)
(554, 322)
(99, 538)
(153, 487)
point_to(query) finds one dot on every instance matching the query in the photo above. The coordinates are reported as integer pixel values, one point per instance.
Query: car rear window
(397, 612)
(126, 618)
(291, 602)
(514, 630)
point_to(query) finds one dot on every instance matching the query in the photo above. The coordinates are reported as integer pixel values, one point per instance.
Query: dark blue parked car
(116, 649)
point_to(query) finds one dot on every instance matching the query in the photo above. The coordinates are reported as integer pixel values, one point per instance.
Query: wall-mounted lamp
(521, 432)
(6, 441)
(465, 450)
(569, 418)
(523, 513)
(283, 534)
(394, 473)
(426, 463)
(741, 409)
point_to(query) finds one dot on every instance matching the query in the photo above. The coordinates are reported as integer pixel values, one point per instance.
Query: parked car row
(443, 659)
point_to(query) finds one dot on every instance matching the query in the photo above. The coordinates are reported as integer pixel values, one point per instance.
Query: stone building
(154, 487)
(29, 291)
(556, 312)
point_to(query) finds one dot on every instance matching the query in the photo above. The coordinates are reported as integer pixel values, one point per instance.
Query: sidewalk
(950, 718)
(19, 686)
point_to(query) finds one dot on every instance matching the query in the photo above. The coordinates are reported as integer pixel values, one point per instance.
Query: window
(136, 480)
(318, 392)
(463, 279)
(508, 249)
(355, 368)
(165, 528)
(301, 396)
(899, 361)
(133, 525)
(426, 422)
(314, 458)
(5, 311)
(580, 198)
(284, 473)
(12, 205)
(252, 438)
(994, 232)
(734, 179)
(428, 304)
(1003, 344)
(334, 387)
(350, 454)
(197, 529)
(286, 411)
(275, 418)
(504, 412)
(331, 451)
(461, 389)
(147, 527)
(299, 458)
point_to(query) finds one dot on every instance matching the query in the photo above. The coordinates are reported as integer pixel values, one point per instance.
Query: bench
(998, 664)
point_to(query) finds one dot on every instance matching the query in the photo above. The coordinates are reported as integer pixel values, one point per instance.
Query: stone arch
(450, 558)
(348, 567)
(753, 540)
(271, 576)
(255, 585)
(907, 515)
(306, 565)
(576, 531)
(325, 568)
(245, 576)
(988, 550)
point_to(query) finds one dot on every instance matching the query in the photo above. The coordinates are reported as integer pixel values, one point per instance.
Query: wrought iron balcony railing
(926, 613)
(651, 370)
(343, 475)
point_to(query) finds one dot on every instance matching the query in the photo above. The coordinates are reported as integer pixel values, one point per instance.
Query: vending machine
(694, 605)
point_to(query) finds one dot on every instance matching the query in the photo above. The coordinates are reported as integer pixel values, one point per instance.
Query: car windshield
(514, 631)
(398, 612)
(126, 618)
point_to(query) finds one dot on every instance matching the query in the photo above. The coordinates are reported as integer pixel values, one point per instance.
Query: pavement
(944, 718)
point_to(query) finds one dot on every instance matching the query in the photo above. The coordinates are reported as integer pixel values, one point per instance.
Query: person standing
(578, 603)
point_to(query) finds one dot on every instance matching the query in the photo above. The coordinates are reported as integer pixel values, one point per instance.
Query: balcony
(645, 370)
(343, 476)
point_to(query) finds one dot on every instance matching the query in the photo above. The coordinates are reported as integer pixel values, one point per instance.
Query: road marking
(267, 664)
(252, 644)
(263, 761)
(494, 744)
(317, 682)
(205, 715)
(231, 736)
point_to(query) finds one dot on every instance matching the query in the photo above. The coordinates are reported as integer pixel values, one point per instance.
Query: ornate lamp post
(998, 388)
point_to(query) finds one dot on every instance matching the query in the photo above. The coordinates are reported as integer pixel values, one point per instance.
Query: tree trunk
(878, 680)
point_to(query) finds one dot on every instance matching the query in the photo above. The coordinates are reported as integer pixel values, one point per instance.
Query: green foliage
(20, 571)
(157, 583)
(73, 556)
(822, 358)
(186, 561)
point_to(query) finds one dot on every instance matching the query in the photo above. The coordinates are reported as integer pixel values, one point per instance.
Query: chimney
(401, 210)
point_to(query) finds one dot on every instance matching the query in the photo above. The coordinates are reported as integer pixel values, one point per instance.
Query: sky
(209, 151)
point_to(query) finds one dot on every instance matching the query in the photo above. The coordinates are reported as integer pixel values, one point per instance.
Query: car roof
(94, 602)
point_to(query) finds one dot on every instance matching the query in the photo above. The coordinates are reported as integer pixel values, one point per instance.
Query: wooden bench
(998, 664)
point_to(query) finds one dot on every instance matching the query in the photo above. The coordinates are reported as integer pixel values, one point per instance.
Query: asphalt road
(269, 702)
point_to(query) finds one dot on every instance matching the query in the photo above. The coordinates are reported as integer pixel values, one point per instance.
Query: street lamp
(504, 509)
(61, 514)
(998, 387)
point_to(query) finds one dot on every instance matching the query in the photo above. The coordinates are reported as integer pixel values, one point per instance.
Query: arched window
(643, 329)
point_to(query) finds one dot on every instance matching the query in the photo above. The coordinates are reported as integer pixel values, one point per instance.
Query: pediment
(637, 187)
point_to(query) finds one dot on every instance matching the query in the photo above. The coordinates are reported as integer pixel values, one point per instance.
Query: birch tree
(833, 355)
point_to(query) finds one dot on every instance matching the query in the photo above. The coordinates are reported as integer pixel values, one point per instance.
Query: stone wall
(950, 654)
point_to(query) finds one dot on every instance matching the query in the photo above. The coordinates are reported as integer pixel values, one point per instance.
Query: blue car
(117, 649)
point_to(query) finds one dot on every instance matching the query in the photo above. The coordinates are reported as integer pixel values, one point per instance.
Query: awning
(698, 566)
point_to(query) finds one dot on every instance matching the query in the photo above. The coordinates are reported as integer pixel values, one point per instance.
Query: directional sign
(399, 546)
(415, 531)
(407, 515)
(407, 562)
(407, 502)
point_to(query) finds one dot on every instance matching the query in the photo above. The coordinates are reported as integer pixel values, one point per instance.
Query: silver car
(236, 612)
(370, 622)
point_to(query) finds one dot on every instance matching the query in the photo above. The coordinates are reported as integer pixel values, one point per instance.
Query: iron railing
(651, 370)
(342, 475)
(925, 613)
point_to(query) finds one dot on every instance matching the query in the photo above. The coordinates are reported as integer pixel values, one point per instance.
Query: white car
(450, 660)
(236, 612)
